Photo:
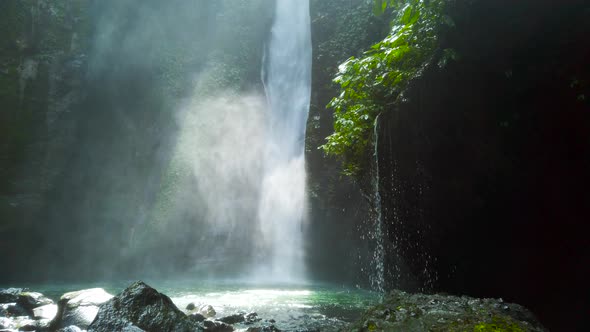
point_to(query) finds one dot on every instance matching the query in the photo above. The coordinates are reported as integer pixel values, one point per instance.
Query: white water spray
(287, 78)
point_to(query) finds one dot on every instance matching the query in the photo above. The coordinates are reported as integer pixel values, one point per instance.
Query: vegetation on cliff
(371, 83)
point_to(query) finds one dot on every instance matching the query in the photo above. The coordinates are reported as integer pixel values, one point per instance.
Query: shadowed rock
(197, 317)
(32, 300)
(232, 319)
(10, 295)
(404, 312)
(12, 310)
(217, 326)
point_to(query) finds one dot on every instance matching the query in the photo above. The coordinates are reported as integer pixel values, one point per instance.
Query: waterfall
(287, 80)
(377, 261)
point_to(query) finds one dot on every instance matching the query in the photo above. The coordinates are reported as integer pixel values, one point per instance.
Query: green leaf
(379, 7)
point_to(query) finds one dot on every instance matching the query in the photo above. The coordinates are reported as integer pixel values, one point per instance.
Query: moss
(441, 313)
(498, 324)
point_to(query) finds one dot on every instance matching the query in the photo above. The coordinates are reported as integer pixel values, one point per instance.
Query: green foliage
(368, 85)
(380, 6)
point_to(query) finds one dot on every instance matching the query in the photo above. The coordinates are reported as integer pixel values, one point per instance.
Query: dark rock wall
(339, 215)
(484, 168)
(42, 53)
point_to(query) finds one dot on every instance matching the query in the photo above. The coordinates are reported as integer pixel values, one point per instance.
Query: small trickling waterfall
(377, 260)
(287, 78)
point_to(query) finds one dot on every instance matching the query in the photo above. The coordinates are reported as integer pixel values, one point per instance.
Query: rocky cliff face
(339, 212)
(42, 61)
(483, 167)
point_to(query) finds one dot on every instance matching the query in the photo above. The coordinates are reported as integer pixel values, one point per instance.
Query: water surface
(293, 307)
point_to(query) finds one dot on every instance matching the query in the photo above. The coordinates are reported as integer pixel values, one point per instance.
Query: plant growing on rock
(372, 83)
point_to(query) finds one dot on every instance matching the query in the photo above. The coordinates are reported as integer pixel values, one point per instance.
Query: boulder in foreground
(79, 308)
(140, 307)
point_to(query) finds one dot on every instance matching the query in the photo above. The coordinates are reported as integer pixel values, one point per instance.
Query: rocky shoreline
(137, 308)
(142, 308)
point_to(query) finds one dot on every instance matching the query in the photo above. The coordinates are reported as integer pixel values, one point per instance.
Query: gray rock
(401, 311)
(12, 310)
(43, 324)
(79, 308)
(191, 306)
(252, 317)
(144, 307)
(132, 328)
(32, 300)
(9, 295)
(197, 317)
(232, 319)
(207, 311)
(270, 328)
(216, 326)
(48, 311)
(71, 328)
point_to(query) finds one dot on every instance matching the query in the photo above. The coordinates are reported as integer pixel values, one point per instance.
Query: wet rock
(132, 328)
(252, 317)
(43, 324)
(9, 295)
(270, 328)
(22, 323)
(197, 317)
(207, 311)
(5, 323)
(48, 311)
(143, 307)
(191, 306)
(217, 326)
(32, 300)
(401, 311)
(79, 308)
(30, 326)
(12, 310)
(232, 319)
(71, 328)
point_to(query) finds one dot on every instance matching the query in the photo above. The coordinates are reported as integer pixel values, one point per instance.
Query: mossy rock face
(402, 311)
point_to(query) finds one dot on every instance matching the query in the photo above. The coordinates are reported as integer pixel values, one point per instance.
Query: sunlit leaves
(379, 7)
(381, 74)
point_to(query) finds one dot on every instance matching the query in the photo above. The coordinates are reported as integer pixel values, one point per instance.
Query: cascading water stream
(287, 78)
(378, 278)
